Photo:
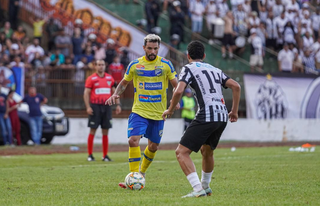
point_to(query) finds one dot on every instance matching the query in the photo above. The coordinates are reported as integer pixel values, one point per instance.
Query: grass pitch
(247, 176)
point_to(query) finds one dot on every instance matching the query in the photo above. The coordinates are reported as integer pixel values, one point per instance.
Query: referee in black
(205, 130)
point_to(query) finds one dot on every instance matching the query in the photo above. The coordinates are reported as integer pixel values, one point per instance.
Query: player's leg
(106, 118)
(154, 135)
(207, 168)
(93, 123)
(207, 151)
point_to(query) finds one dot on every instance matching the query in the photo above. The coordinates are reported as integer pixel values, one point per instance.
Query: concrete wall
(243, 130)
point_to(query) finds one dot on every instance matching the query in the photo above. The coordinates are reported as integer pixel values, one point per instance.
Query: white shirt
(211, 10)
(286, 58)
(256, 43)
(271, 29)
(280, 23)
(307, 42)
(223, 8)
(198, 8)
(254, 22)
(277, 10)
(315, 22)
(32, 50)
(21, 64)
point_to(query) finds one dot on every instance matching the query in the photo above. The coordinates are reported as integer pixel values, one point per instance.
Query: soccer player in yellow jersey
(150, 75)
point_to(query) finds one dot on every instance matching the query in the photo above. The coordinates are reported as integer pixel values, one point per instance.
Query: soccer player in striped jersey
(211, 118)
(150, 75)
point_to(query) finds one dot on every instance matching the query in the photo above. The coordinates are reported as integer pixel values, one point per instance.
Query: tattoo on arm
(120, 89)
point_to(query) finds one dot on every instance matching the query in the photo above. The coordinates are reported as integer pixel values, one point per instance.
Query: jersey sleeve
(185, 75)
(224, 79)
(171, 71)
(128, 76)
(88, 83)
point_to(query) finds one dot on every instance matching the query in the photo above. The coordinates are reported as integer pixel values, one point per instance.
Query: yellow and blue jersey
(150, 81)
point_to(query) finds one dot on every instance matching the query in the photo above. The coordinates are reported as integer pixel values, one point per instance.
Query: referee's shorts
(102, 115)
(200, 133)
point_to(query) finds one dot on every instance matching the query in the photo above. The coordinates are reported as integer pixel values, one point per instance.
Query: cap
(156, 30)
(110, 41)
(175, 37)
(14, 46)
(78, 21)
(305, 5)
(187, 90)
(253, 30)
(92, 36)
(176, 3)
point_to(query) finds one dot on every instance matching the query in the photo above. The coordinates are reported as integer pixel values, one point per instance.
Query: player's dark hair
(196, 50)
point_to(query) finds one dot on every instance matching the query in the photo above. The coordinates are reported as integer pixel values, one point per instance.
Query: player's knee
(153, 147)
(133, 142)
(206, 151)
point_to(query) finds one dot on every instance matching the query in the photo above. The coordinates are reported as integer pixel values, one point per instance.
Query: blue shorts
(151, 129)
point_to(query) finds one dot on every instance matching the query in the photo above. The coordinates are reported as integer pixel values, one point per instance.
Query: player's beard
(151, 57)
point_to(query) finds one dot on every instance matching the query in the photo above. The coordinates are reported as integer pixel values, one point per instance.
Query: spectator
(34, 101)
(223, 8)
(78, 24)
(88, 54)
(37, 27)
(297, 62)
(81, 65)
(253, 21)
(100, 52)
(92, 42)
(177, 20)
(271, 28)
(240, 20)
(13, 114)
(278, 8)
(257, 52)
(52, 30)
(197, 10)
(7, 30)
(33, 49)
(262, 33)
(289, 33)
(152, 10)
(63, 43)
(5, 124)
(307, 41)
(211, 16)
(41, 78)
(19, 35)
(175, 41)
(110, 51)
(187, 105)
(37, 62)
(77, 45)
(125, 58)
(285, 59)
(57, 58)
(309, 63)
(316, 23)
(263, 13)
(15, 50)
(228, 40)
(3, 37)
(116, 70)
(13, 13)
(280, 22)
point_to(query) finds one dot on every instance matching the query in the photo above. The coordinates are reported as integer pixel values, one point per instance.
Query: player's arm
(236, 90)
(174, 84)
(119, 90)
(177, 94)
(118, 108)
(86, 98)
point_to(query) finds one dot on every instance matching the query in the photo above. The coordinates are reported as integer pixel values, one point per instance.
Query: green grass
(248, 176)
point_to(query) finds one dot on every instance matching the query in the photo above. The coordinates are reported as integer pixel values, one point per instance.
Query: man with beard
(150, 75)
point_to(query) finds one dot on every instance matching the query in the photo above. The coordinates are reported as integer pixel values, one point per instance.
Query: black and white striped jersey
(206, 81)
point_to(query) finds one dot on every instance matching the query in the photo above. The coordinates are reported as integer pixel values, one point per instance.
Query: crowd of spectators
(63, 56)
(287, 27)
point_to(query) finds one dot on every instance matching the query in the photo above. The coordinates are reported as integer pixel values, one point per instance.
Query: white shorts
(256, 60)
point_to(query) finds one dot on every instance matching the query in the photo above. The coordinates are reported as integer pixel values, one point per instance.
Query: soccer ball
(135, 181)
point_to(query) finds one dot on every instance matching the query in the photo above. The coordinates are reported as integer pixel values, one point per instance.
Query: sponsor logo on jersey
(103, 91)
(149, 98)
(96, 84)
(160, 133)
(158, 72)
(94, 78)
(153, 86)
(130, 128)
(198, 64)
(139, 66)
(109, 83)
(108, 77)
(158, 67)
(140, 85)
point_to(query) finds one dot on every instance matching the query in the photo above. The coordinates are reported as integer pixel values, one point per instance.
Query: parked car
(55, 123)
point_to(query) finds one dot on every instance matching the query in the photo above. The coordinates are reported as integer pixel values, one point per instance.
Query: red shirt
(100, 87)
(116, 70)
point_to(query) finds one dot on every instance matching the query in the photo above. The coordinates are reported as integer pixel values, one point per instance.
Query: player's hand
(166, 114)
(112, 99)
(118, 109)
(177, 106)
(89, 111)
(233, 116)
(5, 116)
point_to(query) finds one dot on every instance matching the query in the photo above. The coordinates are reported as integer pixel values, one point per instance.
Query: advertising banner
(281, 96)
